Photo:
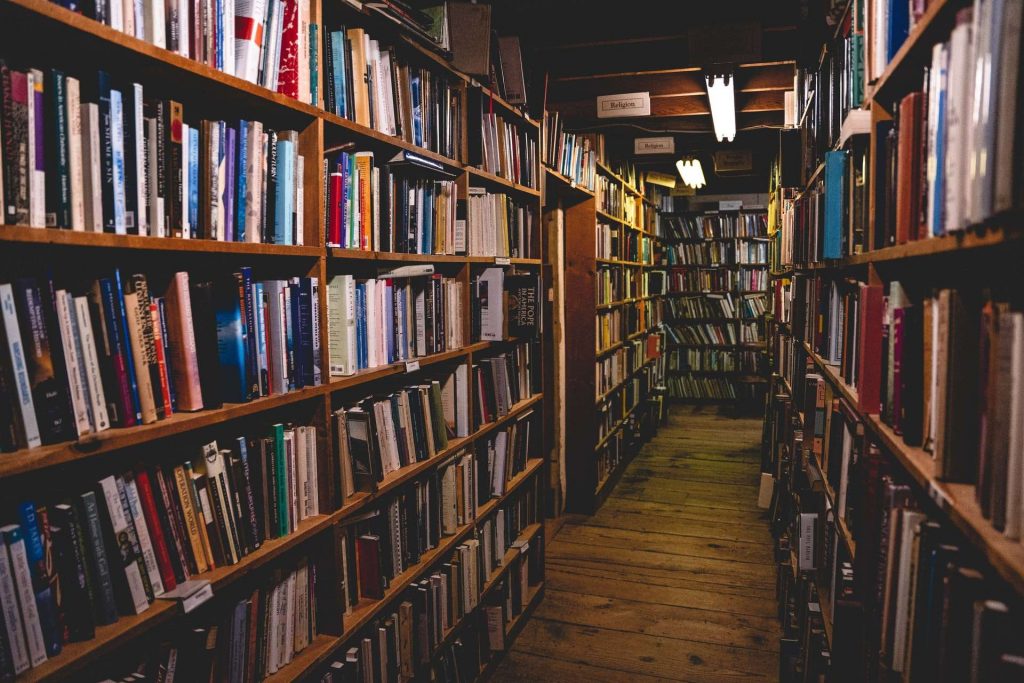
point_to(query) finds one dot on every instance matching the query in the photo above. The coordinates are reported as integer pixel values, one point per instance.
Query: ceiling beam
(676, 106)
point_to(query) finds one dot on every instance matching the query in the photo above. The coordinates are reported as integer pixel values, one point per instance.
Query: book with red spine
(288, 69)
(870, 351)
(156, 531)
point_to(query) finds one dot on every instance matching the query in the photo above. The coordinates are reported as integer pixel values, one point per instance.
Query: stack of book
(506, 148)
(117, 161)
(498, 224)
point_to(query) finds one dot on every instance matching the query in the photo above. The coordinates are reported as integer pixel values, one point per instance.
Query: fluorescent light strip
(723, 106)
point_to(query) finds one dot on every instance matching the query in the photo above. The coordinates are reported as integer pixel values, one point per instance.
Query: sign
(664, 179)
(412, 365)
(502, 261)
(734, 161)
(662, 145)
(681, 190)
(732, 205)
(629, 104)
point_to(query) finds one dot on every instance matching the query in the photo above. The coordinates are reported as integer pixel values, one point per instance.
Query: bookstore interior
(395, 341)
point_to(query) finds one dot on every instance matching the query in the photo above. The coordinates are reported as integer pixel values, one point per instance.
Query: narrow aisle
(673, 579)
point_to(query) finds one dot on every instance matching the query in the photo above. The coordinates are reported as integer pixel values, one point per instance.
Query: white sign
(502, 261)
(412, 365)
(663, 179)
(629, 104)
(730, 205)
(663, 145)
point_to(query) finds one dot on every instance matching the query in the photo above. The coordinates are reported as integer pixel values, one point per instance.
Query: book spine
(17, 553)
(191, 519)
(152, 520)
(172, 518)
(146, 544)
(159, 368)
(127, 573)
(117, 147)
(110, 311)
(39, 552)
(15, 636)
(106, 604)
(74, 362)
(120, 311)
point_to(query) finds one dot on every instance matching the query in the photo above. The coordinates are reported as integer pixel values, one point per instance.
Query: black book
(58, 182)
(76, 579)
(106, 152)
(132, 210)
(911, 419)
(105, 605)
(204, 322)
(366, 468)
(524, 307)
(238, 503)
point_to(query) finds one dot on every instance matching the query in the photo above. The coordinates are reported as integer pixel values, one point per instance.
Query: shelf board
(91, 445)
(565, 183)
(509, 107)
(26, 235)
(370, 135)
(486, 176)
(621, 262)
(603, 397)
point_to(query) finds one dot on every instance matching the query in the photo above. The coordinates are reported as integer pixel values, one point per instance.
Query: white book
(301, 471)
(73, 361)
(305, 94)
(12, 536)
(92, 175)
(1006, 115)
(116, 16)
(490, 293)
(138, 12)
(958, 113)
(130, 567)
(230, 13)
(186, 154)
(462, 400)
(36, 172)
(313, 473)
(156, 202)
(910, 522)
(184, 22)
(254, 186)
(156, 31)
(16, 351)
(250, 14)
(11, 616)
(300, 202)
(274, 639)
(74, 118)
(981, 19)
(127, 15)
(94, 378)
(138, 157)
(1015, 461)
(119, 160)
(131, 491)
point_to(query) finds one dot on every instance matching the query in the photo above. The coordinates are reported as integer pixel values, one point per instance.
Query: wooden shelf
(905, 68)
(508, 107)
(530, 601)
(480, 174)
(621, 262)
(632, 373)
(45, 237)
(565, 183)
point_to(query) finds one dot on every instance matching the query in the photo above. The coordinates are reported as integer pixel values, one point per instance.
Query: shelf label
(502, 261)
(658, 145)
(523, 548)
(625, 104)
(412, 366)
(938, 496)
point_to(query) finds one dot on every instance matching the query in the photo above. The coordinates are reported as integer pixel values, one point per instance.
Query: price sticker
(502, 261)
(412, 366)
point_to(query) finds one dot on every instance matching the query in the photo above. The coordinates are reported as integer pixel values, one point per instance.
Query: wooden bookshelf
(81, 46)
(586, 454)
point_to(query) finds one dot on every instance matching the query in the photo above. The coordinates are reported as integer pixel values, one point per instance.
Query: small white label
(197, 598)
(627, 104)
(938, 495)
(412, 365)
(502, 261)
(523, 548)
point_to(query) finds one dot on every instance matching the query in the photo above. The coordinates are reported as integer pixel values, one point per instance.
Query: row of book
(371, 84)
(716, 279)
(497, 224)
(379, 321)
(270, 43)
(716, 253)
(715, 225)
(507, 148)
(748, 306)
(119, 356)
(100, 158)
(714, 334)
(403, 642)
(137, 535)
(609, 195)
(715, 360)
(613, 369)
(570, 154)
(702, 387)
(606, 240)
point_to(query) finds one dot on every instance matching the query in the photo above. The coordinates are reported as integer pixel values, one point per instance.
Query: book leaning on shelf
(505, 147)
(110, 551)
(115, 355)
(104, 157)
(271, 43)
(403, 640)
(371, 84)
(570, 154)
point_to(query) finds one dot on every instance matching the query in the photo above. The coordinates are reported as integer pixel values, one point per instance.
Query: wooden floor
(672, 579)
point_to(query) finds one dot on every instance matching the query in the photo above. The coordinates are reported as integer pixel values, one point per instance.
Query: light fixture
(723, 105)
(691, 172)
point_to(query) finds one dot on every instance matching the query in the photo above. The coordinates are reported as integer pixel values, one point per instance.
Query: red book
(371, 584)
(908, 168)
(334, 209)
(869, 371)
(896, 339)
(182, 344)
(161, 359)
(288, 73)
(156, 532)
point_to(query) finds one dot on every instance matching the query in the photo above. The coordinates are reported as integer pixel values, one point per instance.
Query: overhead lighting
(691, 172)
(723, 105)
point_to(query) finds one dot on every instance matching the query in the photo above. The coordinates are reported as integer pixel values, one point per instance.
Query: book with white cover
(74, 118)
(958, 112)
(11, 617)
(490, 298)
(126, 561)
(13, 538)
(92, 196)
(911, 520)
(73, 361)
(16, 356)
(36, 174)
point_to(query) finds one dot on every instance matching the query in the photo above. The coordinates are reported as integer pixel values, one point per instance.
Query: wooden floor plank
(672, 579)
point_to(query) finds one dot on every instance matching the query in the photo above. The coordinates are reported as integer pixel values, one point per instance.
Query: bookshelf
(611, 277)
(82, 46)
(844, 361)
(717, 263)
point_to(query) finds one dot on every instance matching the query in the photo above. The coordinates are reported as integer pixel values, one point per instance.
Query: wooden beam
(676, 106)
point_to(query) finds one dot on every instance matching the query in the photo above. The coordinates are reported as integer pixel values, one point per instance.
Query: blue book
(899, 26)
(305, 330)
(289, 335)
(338, 65)
(230, 341)
(129, 360)
(297, 340)
(44, 581)
(107, 151)
(261, 337)
(417, 113)
(193, 180)
(242, 176)
(117, 150)
(230, 145)
(938, 190)
(219, 35)
(249, 312)
(361, 325)
(284, 203)
(835, 173)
